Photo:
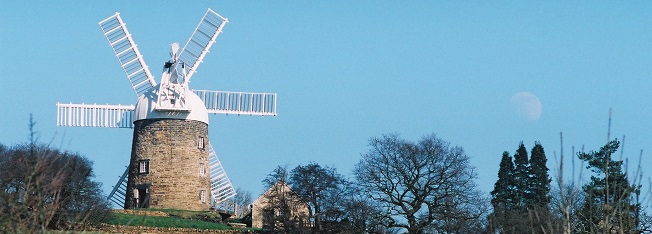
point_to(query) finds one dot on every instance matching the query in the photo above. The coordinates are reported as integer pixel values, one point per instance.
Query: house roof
(285, 187)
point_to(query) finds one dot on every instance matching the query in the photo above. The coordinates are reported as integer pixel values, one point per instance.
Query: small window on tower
(143, 167)
(202, 196)
(202, 169)
(200, 143)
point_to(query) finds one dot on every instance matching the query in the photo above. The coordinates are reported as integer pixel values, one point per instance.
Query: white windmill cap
(145, 108)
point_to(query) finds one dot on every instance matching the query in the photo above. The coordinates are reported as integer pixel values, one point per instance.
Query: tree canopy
(522, 190)
(424, 187)
(608, 205)
(41, 187)
(323, 188)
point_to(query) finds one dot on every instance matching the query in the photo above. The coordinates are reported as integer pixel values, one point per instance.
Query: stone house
(280, 208)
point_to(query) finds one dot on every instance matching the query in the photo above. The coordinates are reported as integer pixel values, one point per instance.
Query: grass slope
(156, 221)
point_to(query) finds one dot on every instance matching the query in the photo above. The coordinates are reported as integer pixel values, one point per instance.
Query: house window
(143, 167)
(200, 143)
(280, 212)
(202, 169)
(202, 196)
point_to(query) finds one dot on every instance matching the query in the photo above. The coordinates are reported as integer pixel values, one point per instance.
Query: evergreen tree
(521, 177)
(503, 192)
(539, 179)
(538, 187)
(607, 207)
(520, 197)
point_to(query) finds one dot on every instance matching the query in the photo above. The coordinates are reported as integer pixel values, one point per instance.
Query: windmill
(172, 163)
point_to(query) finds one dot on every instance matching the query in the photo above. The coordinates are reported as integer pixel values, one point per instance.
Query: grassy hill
(167, 218)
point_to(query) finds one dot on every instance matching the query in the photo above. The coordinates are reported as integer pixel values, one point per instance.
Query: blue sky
(346, 71)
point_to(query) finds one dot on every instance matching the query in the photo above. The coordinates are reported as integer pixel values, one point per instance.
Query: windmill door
(141, 196)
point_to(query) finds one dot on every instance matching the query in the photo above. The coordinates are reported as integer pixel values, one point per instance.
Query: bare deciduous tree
(280, 173)
(323, 188)
(364, 215)
(242, 200)
(43, 188)
(423, 183)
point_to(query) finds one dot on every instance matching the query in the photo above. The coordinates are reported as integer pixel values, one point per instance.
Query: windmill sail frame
(221, 187)
(126, 50)
(94, 115)
(238, 103)
(200, 42)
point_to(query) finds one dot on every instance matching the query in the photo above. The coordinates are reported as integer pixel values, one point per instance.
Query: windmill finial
(175, 49)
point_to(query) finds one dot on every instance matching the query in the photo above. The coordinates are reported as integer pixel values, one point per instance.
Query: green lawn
(154, 221)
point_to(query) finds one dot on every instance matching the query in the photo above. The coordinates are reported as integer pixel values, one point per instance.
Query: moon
(527, 105)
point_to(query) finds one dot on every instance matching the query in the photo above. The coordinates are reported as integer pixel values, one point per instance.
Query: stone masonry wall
(174, 179)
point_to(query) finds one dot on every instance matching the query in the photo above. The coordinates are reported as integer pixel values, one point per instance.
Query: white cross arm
(221, 187)
(94, 115)
(239, 103)
(128, 55)
(200, 41)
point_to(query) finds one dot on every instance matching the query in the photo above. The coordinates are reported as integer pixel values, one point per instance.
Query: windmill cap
(145, 108)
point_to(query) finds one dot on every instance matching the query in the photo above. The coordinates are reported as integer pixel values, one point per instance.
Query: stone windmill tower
(172, 163)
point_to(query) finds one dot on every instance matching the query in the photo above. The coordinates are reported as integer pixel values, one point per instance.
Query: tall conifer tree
(503, 192)
(502, 197)
(539, 179)
(538, 187)
(521, 176)
(520, 197)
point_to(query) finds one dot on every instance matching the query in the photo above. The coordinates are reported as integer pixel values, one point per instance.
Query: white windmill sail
(119, 192)
(128, 54)
(239, 103)
(200, 42)
(221, 187)
(94, 115)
